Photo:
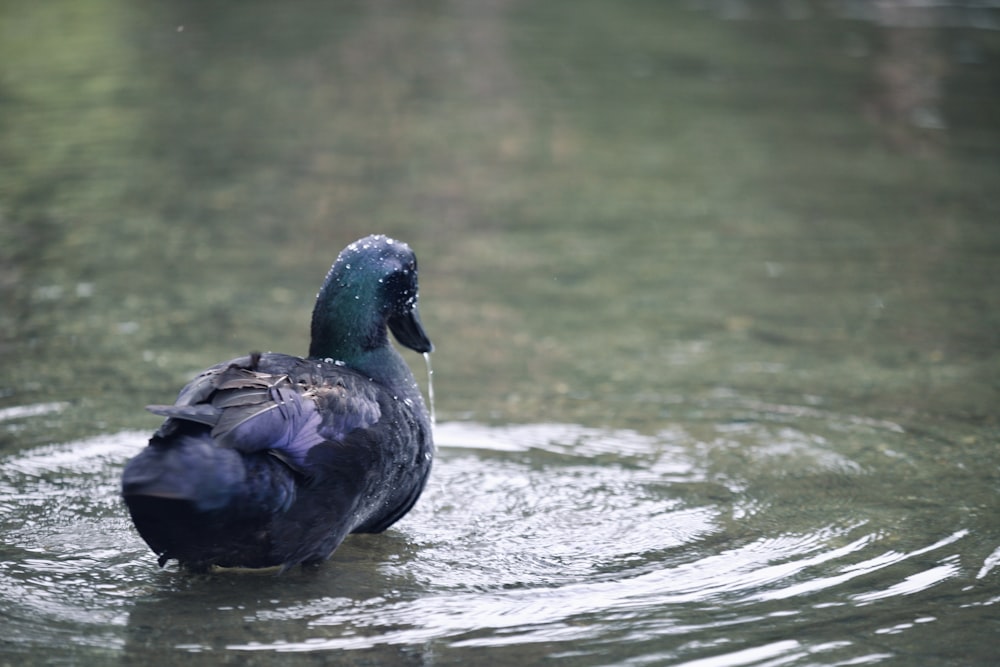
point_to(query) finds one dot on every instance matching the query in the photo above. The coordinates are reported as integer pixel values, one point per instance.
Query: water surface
(712, 288)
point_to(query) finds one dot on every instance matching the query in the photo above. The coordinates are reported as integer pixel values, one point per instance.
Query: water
(430, 389)
(587, 545)
(711, 288)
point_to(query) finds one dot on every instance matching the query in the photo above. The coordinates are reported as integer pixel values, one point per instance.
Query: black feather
(270, 459)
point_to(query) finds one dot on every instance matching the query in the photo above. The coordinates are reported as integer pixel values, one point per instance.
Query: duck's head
(371, 286)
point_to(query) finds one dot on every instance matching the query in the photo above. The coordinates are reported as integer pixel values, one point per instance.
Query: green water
(713, 289)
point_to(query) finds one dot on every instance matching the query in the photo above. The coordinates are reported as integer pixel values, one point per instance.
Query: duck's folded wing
(280, 419)
(201, 388)
(203, 399)
(349, 403)
(250, 411)
(202, 413)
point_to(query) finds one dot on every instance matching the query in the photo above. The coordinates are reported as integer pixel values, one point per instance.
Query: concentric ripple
(542, 540)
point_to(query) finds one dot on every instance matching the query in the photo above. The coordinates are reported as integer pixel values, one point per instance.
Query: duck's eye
(400, 289)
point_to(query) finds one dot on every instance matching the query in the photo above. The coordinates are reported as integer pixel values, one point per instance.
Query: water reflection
(908, 76)
(911, 49)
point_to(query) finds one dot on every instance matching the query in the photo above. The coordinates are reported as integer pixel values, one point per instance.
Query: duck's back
(273, 459)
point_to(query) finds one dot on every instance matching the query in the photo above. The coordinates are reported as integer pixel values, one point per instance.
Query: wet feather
(272, 459)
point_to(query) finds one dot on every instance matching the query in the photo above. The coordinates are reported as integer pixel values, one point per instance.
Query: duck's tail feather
(203, 504)
(190, 468)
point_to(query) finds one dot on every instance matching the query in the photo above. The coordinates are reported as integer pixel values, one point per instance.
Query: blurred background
(637, 217)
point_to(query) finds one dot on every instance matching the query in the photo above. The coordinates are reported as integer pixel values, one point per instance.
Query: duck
(272, 460)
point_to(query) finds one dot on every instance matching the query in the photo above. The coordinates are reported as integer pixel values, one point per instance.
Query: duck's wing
(279, 403)
(197, 401)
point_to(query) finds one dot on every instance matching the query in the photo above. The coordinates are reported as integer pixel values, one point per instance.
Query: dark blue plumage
(272, 460)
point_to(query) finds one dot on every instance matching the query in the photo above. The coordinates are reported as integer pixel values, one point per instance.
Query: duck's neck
(346, 331)
(344, 326)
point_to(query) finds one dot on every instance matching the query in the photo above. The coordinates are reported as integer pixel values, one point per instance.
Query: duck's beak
(409, 331)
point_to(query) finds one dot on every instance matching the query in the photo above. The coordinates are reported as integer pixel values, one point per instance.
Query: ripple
(539, 534)
(33, 410)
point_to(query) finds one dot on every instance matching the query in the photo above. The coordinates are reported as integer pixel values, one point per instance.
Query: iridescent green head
(371, 287)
